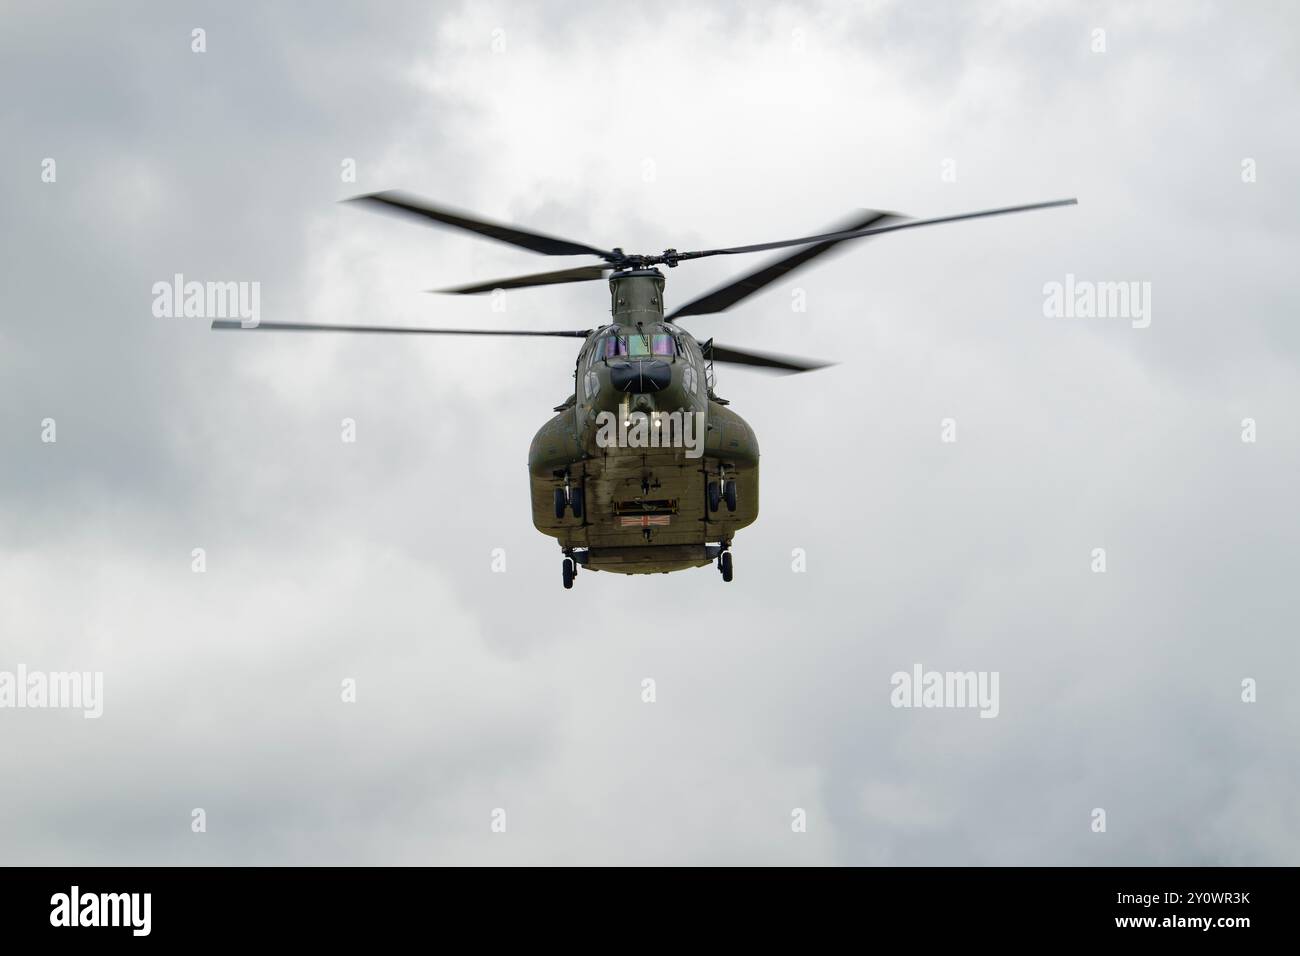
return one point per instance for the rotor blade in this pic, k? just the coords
(398, 329)
(405, 203)
(580, 274)
(871, 231)
(767, 360)
(728, 295)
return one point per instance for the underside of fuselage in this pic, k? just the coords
(648, 510)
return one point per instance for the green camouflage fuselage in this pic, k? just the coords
(642, 436)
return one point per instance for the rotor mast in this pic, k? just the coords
(637, 296)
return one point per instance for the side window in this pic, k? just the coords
(693, 351)
(697, 361)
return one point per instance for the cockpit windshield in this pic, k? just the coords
(636, 345)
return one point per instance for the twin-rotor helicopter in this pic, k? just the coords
(643, 468)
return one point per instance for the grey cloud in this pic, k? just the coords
(479, 690)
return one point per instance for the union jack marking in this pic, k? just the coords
(645, 521)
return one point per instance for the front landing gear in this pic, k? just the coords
(573, 559)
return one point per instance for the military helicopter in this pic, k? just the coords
(643, 468)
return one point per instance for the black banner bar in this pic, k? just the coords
(333, 905)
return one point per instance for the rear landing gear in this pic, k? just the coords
(570, 498)
(724, 565)
(570, 572)
(722, 489)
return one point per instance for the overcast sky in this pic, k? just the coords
(684, 125)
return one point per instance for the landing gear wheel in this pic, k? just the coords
(559, 502)
(575, 502)
(715, 495)
(725, 565)
(569, 573)
(729, 493)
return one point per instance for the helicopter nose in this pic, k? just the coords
(641, 376)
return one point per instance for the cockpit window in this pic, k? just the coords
(662, 345)
(636, 346)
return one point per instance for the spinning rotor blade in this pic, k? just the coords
(392, 329)
(580, 274)
(407, 204)
(766, 360)
(728, 295)
(870, 231)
